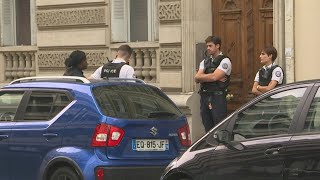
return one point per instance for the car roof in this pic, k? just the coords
(310, 81)
(68, 82)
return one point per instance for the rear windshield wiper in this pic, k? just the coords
(160, 114)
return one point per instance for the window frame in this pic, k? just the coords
(120, 23)
(11, 39)
(295, 123)
(18, 111)
(305, 110)
(28, 93)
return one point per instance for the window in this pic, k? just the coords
(133, 21)
(9, 103)
(45, 105)
(16, 22)
(135, 102)
(271, 116)
(312, 123)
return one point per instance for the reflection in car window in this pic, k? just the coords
(45, 105)
(270, 116)
(135, 102)
(312, 123)
(9, 103)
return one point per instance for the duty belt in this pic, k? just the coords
(211, 92)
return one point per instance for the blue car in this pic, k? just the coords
(70, 128)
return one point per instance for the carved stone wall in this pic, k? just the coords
(170, 11)
(50, 59)
(63, 17)
(170, 57)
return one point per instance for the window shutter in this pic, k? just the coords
(153, 20)
(8, 23)
(139, 20)
(119, 20)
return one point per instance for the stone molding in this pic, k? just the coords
(56, 59)
(67, 17)
(169, 11)
(170, 57)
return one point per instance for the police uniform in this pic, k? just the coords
(213, 102)
(268, 73)
(125, 71)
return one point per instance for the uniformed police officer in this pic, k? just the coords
(118, 67)
(214, 77)
(270, 75)
(75, 63)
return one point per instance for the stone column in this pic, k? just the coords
(284, 36)
(289, 41)
(2, 67)
(33, 22)
(188, 45)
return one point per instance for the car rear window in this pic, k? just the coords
(135, 102)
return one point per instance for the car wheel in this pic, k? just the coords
(64, 173)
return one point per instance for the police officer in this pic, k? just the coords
(270, 75)
(118, 67)
(214, 77)
(75, 63)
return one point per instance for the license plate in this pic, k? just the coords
(150, 144)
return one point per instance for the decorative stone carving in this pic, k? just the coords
(56, 59)
(170, 11)
(170, 57)
(268, 4)
(62, 17)
(230, 5)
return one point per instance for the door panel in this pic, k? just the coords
(5, 129)
(29, 144)
(260, 160)
(245, 28)
(9, 103)
(264, 128)
(303, 154)
(303, 158)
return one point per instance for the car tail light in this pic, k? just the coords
(107, 135)
(100, 174)
(184, 135)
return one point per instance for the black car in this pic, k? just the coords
(275, 136)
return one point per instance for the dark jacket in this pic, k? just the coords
(73, 71)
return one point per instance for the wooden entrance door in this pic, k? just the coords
(245, 27)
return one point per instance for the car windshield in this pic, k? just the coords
(135, 102)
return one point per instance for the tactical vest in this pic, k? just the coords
(209, 67)
(111, 69)
(265, 75)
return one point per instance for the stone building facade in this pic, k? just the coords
(38, 35)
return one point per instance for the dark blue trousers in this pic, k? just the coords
(218, 111)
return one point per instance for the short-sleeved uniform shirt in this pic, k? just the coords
(225, 65)
(277, 74)
(126, 71)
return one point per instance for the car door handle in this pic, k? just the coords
(273, 151)
(50, 135)
(294, 172)
(4, 137)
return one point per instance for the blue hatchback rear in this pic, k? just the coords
(55, 129)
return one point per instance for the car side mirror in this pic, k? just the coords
(222, 136)
(225, 137)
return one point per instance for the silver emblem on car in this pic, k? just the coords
(154, 131)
